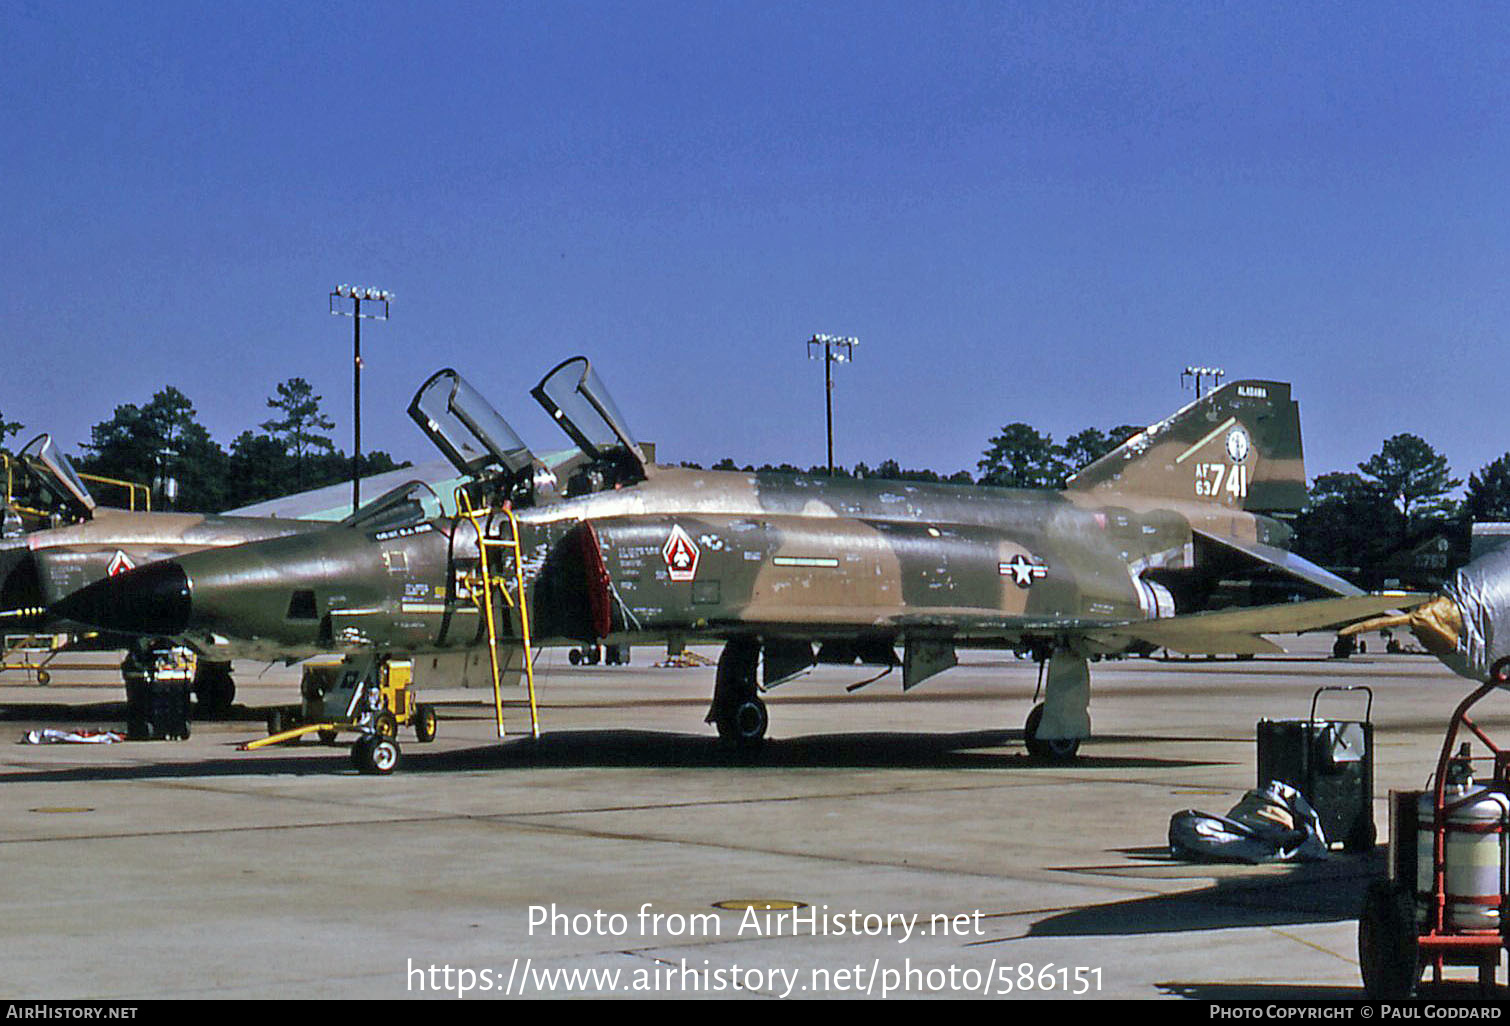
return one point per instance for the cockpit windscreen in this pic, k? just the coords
(53, 471)
(466, 428)
(574, 396)
(410, 503)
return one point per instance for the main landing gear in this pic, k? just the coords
(738, 711)
(1064, 749)
(1053, 731)
(1057, 725)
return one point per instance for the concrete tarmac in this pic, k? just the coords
(933, 856)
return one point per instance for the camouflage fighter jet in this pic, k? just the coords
(1127, 558)
(57, 539)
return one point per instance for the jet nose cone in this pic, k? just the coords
(151, 600)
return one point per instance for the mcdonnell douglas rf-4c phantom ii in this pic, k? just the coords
(612, 548)
(55, 539)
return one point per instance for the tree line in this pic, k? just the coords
(1018, 457)
(161, 444)
(1355, 521)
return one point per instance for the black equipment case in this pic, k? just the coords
(1331, 762)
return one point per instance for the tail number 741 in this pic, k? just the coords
(1219, 480)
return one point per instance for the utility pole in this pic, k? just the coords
(1214, 373)
(338, 299)
(835, 350)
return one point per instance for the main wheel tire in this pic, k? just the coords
(744, 723)
(1388, 945)
(1047, 750)
(424, 723)
(375, 755)
(386, 725)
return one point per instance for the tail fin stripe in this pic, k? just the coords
(1182, 457)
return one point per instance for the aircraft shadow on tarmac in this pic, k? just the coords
(1327, 891)
(107, 714)
(983, 749)
(1309, 892)
(990, 749)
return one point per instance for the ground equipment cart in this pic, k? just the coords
(1442, 903)
(368, 695)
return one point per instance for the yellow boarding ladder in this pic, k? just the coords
(484, 543)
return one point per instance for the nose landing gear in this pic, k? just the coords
(738, 711)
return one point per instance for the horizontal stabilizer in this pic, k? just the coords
(1286, 561)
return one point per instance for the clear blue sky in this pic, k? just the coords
(1025, 211)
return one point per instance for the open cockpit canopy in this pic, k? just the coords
(466, 428)
(576, 399)
(56, 476)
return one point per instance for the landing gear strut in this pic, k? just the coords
(737, 711)
(1057, 725)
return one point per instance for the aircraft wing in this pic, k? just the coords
(1238, 631)
(1225, 632)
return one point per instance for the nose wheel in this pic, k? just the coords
(738, 712)
(744, 724)
(375, 754)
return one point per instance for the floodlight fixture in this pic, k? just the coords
(1198, 373)
(357, 295)
(835, 349)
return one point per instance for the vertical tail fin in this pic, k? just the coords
(1237, 447)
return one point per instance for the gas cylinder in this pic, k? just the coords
(1474, 865)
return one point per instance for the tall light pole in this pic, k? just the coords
(338, 300)
(1214, 373)
(835, 350)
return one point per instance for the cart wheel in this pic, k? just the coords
(575, 657)
(1058, 750)
(374, 754)
(278, 720)
(386, 725)
(43, 677)
(1387, 942)
(424, 723)
(328, 737)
